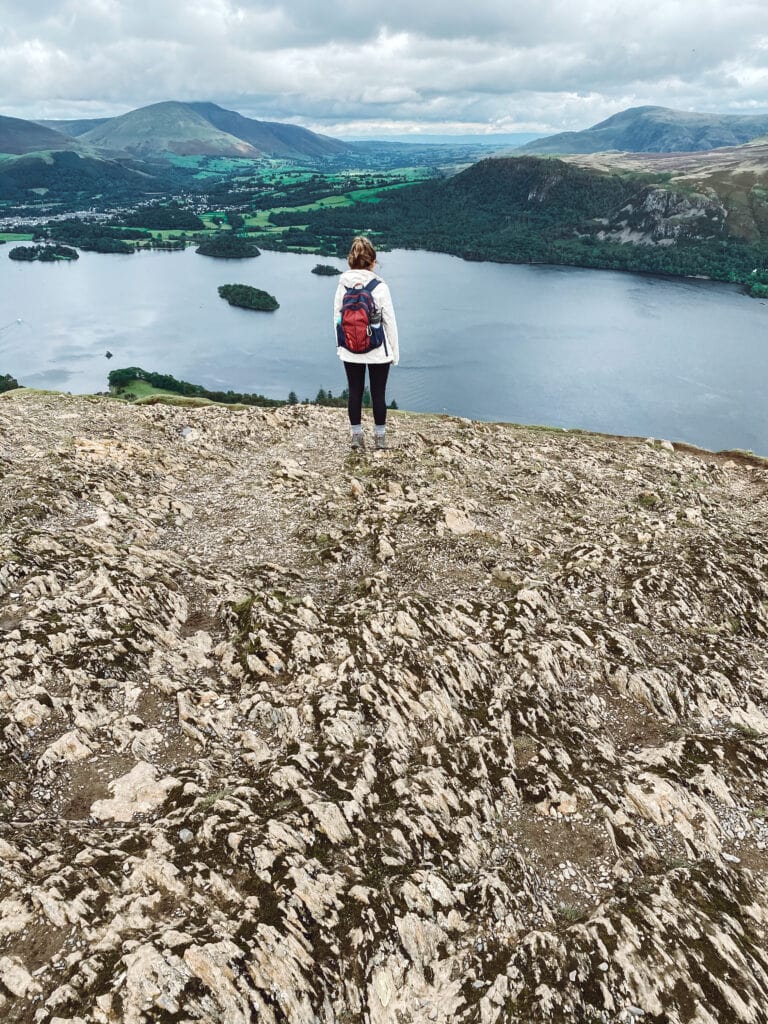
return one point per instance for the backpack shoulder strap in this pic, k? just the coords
(373, 283)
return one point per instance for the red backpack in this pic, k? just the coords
(359, 329)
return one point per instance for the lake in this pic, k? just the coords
(612, 352)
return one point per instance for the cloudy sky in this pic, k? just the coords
(400, 66)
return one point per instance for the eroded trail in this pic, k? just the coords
(472, 730)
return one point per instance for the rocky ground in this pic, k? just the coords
(471, 730)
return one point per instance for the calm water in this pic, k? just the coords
(573, 348)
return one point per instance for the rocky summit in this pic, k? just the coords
(473, 729)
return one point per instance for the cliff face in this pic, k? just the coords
(657, 216)
(724, 191)
(470, 730)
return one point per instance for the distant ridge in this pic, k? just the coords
(655, 130)
(76, 127)
(199, 129)
(18, 137)
(273, 138)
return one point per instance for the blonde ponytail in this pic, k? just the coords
(362, 255)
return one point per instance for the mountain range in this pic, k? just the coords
(655, 130)
(198, 129)
(170, 129)
(684, 193)
(173, 129)
(136, 150)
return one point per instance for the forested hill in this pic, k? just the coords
(497, 208)
(655, 130)
(35, 157)
(543, 210)
(69, 174)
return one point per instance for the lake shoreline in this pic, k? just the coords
(743, 288)
(612, 352)
(266, 247)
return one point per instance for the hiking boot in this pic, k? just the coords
(357, 444)
(380, 443)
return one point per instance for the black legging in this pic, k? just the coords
(377, 374)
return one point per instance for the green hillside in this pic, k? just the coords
(270, 137)
(166, 128)
(67, 174)
(18, 137)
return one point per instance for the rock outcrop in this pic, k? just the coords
(470, 730)
(658, 216)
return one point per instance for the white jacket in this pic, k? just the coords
(383, 301)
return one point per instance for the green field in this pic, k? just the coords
(372, 195)
(216, 166)
(141, 389)
(145, 393)
(173, 233)
(260, 219)
(260, 188)
(349, 192)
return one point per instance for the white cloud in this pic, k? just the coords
(492, 63)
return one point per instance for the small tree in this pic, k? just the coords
(293, 398)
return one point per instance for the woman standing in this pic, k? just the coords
(366, 335)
